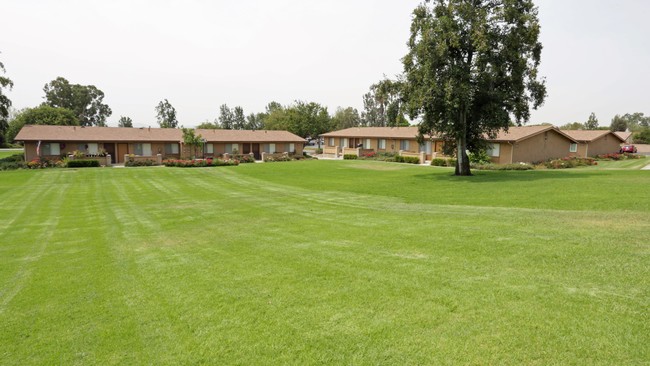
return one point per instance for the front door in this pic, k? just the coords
(256, 151)
(246, 149)
(122, 149)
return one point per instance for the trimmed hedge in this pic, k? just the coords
(83, 163)
(407, 159)
(350, 157)
(147, 162)
(443, 162)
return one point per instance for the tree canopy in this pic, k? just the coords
(125, 122)
(345, 118)
(41, 115)
(630, 121)
(471, 68)
(166, 114)
(592, 122)
(5, 102)
(86, 101)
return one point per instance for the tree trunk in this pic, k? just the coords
(462, 162)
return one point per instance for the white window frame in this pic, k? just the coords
(345, 142)
(292, 147)
(93, 148)
(330, 142)
(51, 149)
(209, 148)
(382, 144)
(171, 148)
(271, 148)
(494, 150)
(145, 149)
(404, 145)
(366, 144)
(573, 148)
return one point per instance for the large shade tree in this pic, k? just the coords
(471, 69)
(5, 102)
(166, 115)
(86, 101)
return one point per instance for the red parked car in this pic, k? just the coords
(628, 149)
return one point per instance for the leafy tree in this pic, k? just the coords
(41, 115)
(631, 121)
(226, 117)
(345, 118)
(383, 104)
(301, 118)
(592, 122)
(192, 140)
(573, 126)
(166, 115)
(125, 122)
(86, 101)
(238, 119)
(642, 136)
(5, 103)
(471, 66)
(255, 121)
(618, 124)
(208, 126)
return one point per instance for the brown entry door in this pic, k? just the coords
(246, 149)
(122, 149)
(256, 151)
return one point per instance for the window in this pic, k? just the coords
(93, 149)
(51, 149)
(330, 142)
(232, 148)
(404, 145)
(426, 147)
(209, 148)
(366, 144)
(344, 142)
(494, 150)
(269, 148)
(573, 148)
(171, 148)
(382, 144)
(143, 149)
(291, 148)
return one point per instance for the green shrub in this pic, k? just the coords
(272, 159)
(350, 157)
(438, 162)
(642, 137)
(12, 165)
(407, 159)
(319, 151)
(480, 158)
(83, 163)
(13, 158)
(243, 158)
(569, 162)
(147, 162)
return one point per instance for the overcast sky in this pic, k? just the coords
(200, 54)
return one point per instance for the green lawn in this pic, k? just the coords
(324, 262)
(6, 153)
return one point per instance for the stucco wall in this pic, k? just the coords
(541, 147)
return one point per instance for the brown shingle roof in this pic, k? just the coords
(248, 136)
(98, 134)
(378, 132)
(590, 135)
(624, 135)
(116, 134)
(524, 132)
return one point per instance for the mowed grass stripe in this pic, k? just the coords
(220, 266)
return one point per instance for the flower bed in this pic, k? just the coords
(569, 162)
(618, 156)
